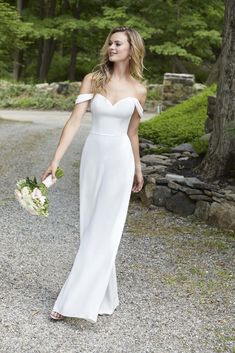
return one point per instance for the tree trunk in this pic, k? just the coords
(48, 46)
(47, 54)
(220, 159)
(178, 65)
(18, 55)
(39, 56)
(214, 74)
(40, 40)
(73, 60)
(18, 64)
(74, 48)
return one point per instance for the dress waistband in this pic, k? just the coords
(104, 134)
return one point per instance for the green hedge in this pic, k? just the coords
(179, 124)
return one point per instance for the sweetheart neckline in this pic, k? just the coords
(113, 104)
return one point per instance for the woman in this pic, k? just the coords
(110, 169)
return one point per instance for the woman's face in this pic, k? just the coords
(119, 47)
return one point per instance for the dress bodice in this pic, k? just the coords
(108, 118)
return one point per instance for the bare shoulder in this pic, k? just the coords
(141, 91)
(86, 86)
(89, 76)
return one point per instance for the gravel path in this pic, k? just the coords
(175, 276)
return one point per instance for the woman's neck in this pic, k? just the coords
(120, 72)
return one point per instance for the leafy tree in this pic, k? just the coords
(65, 36)
(13, 34)
(187, 31)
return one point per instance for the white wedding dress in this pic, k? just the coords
(106, 177)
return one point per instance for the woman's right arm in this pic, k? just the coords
(70, 128)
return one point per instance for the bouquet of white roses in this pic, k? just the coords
(32, 195)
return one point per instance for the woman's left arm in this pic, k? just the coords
(134, 138)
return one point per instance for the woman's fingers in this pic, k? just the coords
(137, 185)
(46, 173)
(44, 176)
(50, 170)
(53, 173)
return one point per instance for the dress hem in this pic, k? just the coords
(84, 317)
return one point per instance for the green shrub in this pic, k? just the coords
(28, 96)
(179, 124)
(200, 146)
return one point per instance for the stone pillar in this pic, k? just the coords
(176, 89)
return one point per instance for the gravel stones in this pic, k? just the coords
(174, 275)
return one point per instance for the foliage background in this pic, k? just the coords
(57, 40)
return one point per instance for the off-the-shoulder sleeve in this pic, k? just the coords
(83, 97)
(139, 108)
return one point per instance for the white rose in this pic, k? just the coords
(25, 191)
(18, 195)
(42, 199)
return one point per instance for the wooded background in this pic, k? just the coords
(57, 40)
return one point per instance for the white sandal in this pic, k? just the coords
(55, 317)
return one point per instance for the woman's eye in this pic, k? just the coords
(117, 44)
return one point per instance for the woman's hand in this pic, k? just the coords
(138, 182)
(50, 170)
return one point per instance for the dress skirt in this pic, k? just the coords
(105, 182)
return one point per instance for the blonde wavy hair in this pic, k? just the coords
(101, 73)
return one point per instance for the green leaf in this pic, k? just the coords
(171, 49)
(59, 173)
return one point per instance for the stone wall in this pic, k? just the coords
(177, 88)
(213, 203)
(60, 87)
(154, 101)
(190, 195)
